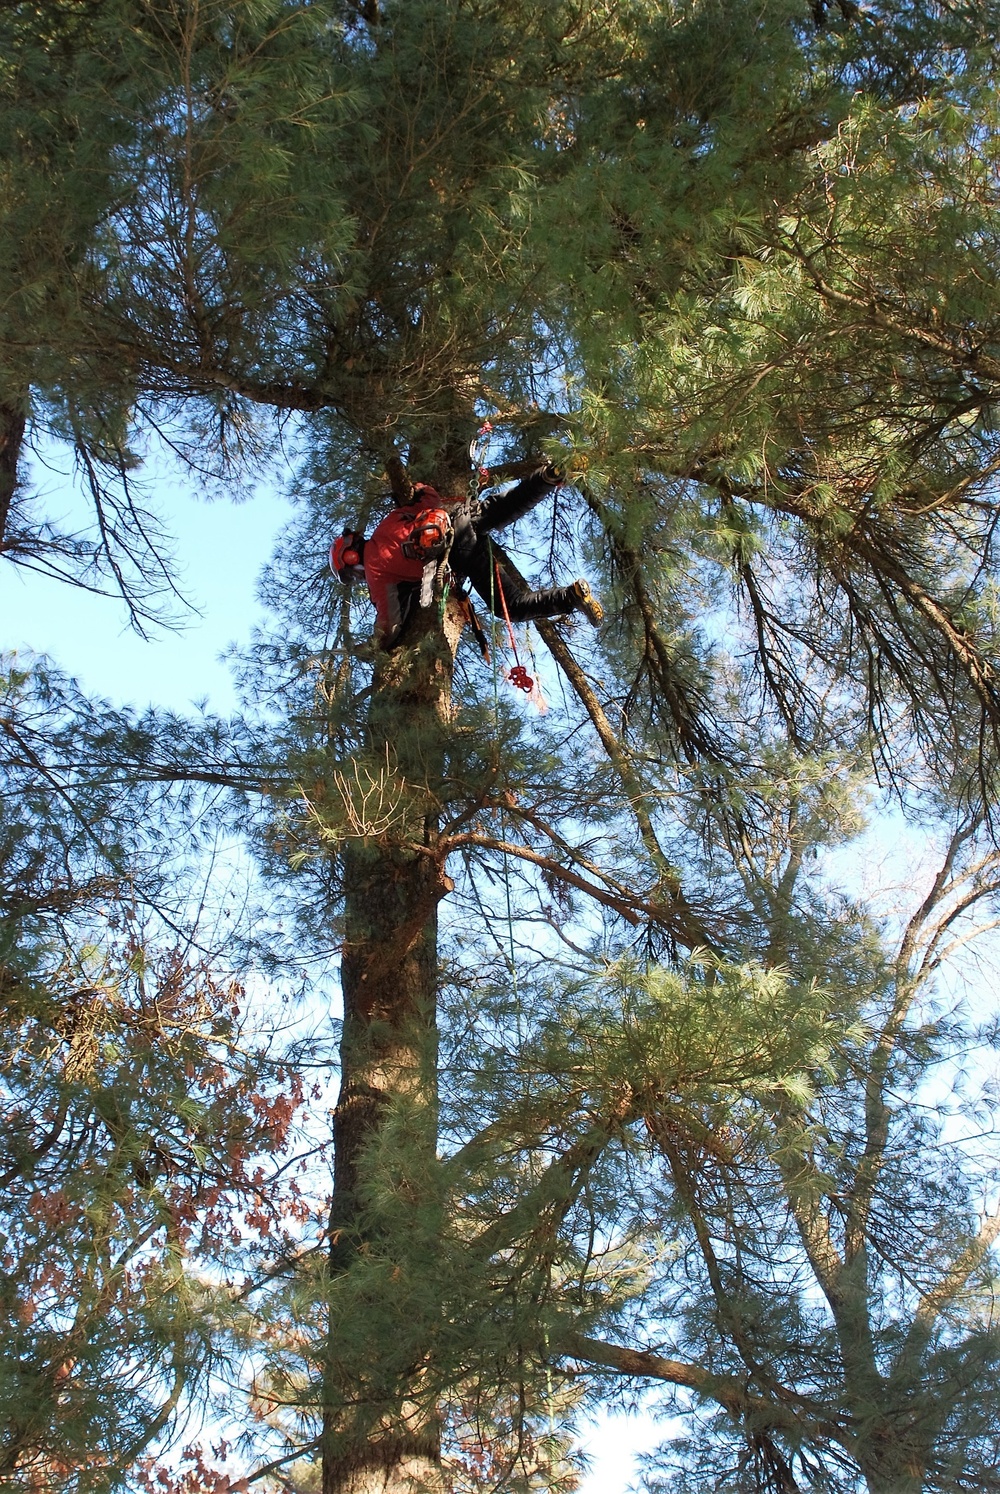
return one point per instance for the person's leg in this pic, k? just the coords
(523, 603)
(553, 601)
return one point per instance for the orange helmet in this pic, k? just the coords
(347, 555)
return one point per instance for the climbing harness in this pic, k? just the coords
(434, 530)
(468, 509)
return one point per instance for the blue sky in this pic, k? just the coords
(221, 548)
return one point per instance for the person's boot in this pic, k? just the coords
(587, 603)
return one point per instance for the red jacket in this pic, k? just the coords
(387, 565)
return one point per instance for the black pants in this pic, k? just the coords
(476, 556)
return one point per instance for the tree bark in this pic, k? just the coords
(380, 1431)
(888, 1467)
(13, 418)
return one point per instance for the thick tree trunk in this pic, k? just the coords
(380, 1425)
(893, 1474)
(892, 1453)
(12, 423)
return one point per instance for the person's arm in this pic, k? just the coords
(392, 601)
(507, 508)
(386, 604)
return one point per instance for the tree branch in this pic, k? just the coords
(632, 910)
(792, 1414)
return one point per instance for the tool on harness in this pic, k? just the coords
(434, 532)
(430, 533)
(478, 631)
(430, 541)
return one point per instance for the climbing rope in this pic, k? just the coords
(439, 580)
(511, 962)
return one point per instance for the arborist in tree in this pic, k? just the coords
(411, 546)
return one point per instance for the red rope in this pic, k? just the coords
(517, 675)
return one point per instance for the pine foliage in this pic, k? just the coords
(638, 1087)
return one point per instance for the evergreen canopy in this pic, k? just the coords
(629, 1089)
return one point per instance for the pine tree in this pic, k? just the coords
(672, 248)
(146, 1132)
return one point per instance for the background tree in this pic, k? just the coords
(149, 1137)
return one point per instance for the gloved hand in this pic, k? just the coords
(566, 468)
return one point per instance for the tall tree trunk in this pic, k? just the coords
(893, 1446)
(380, 1425)
(892, 1472)
(12, 422)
